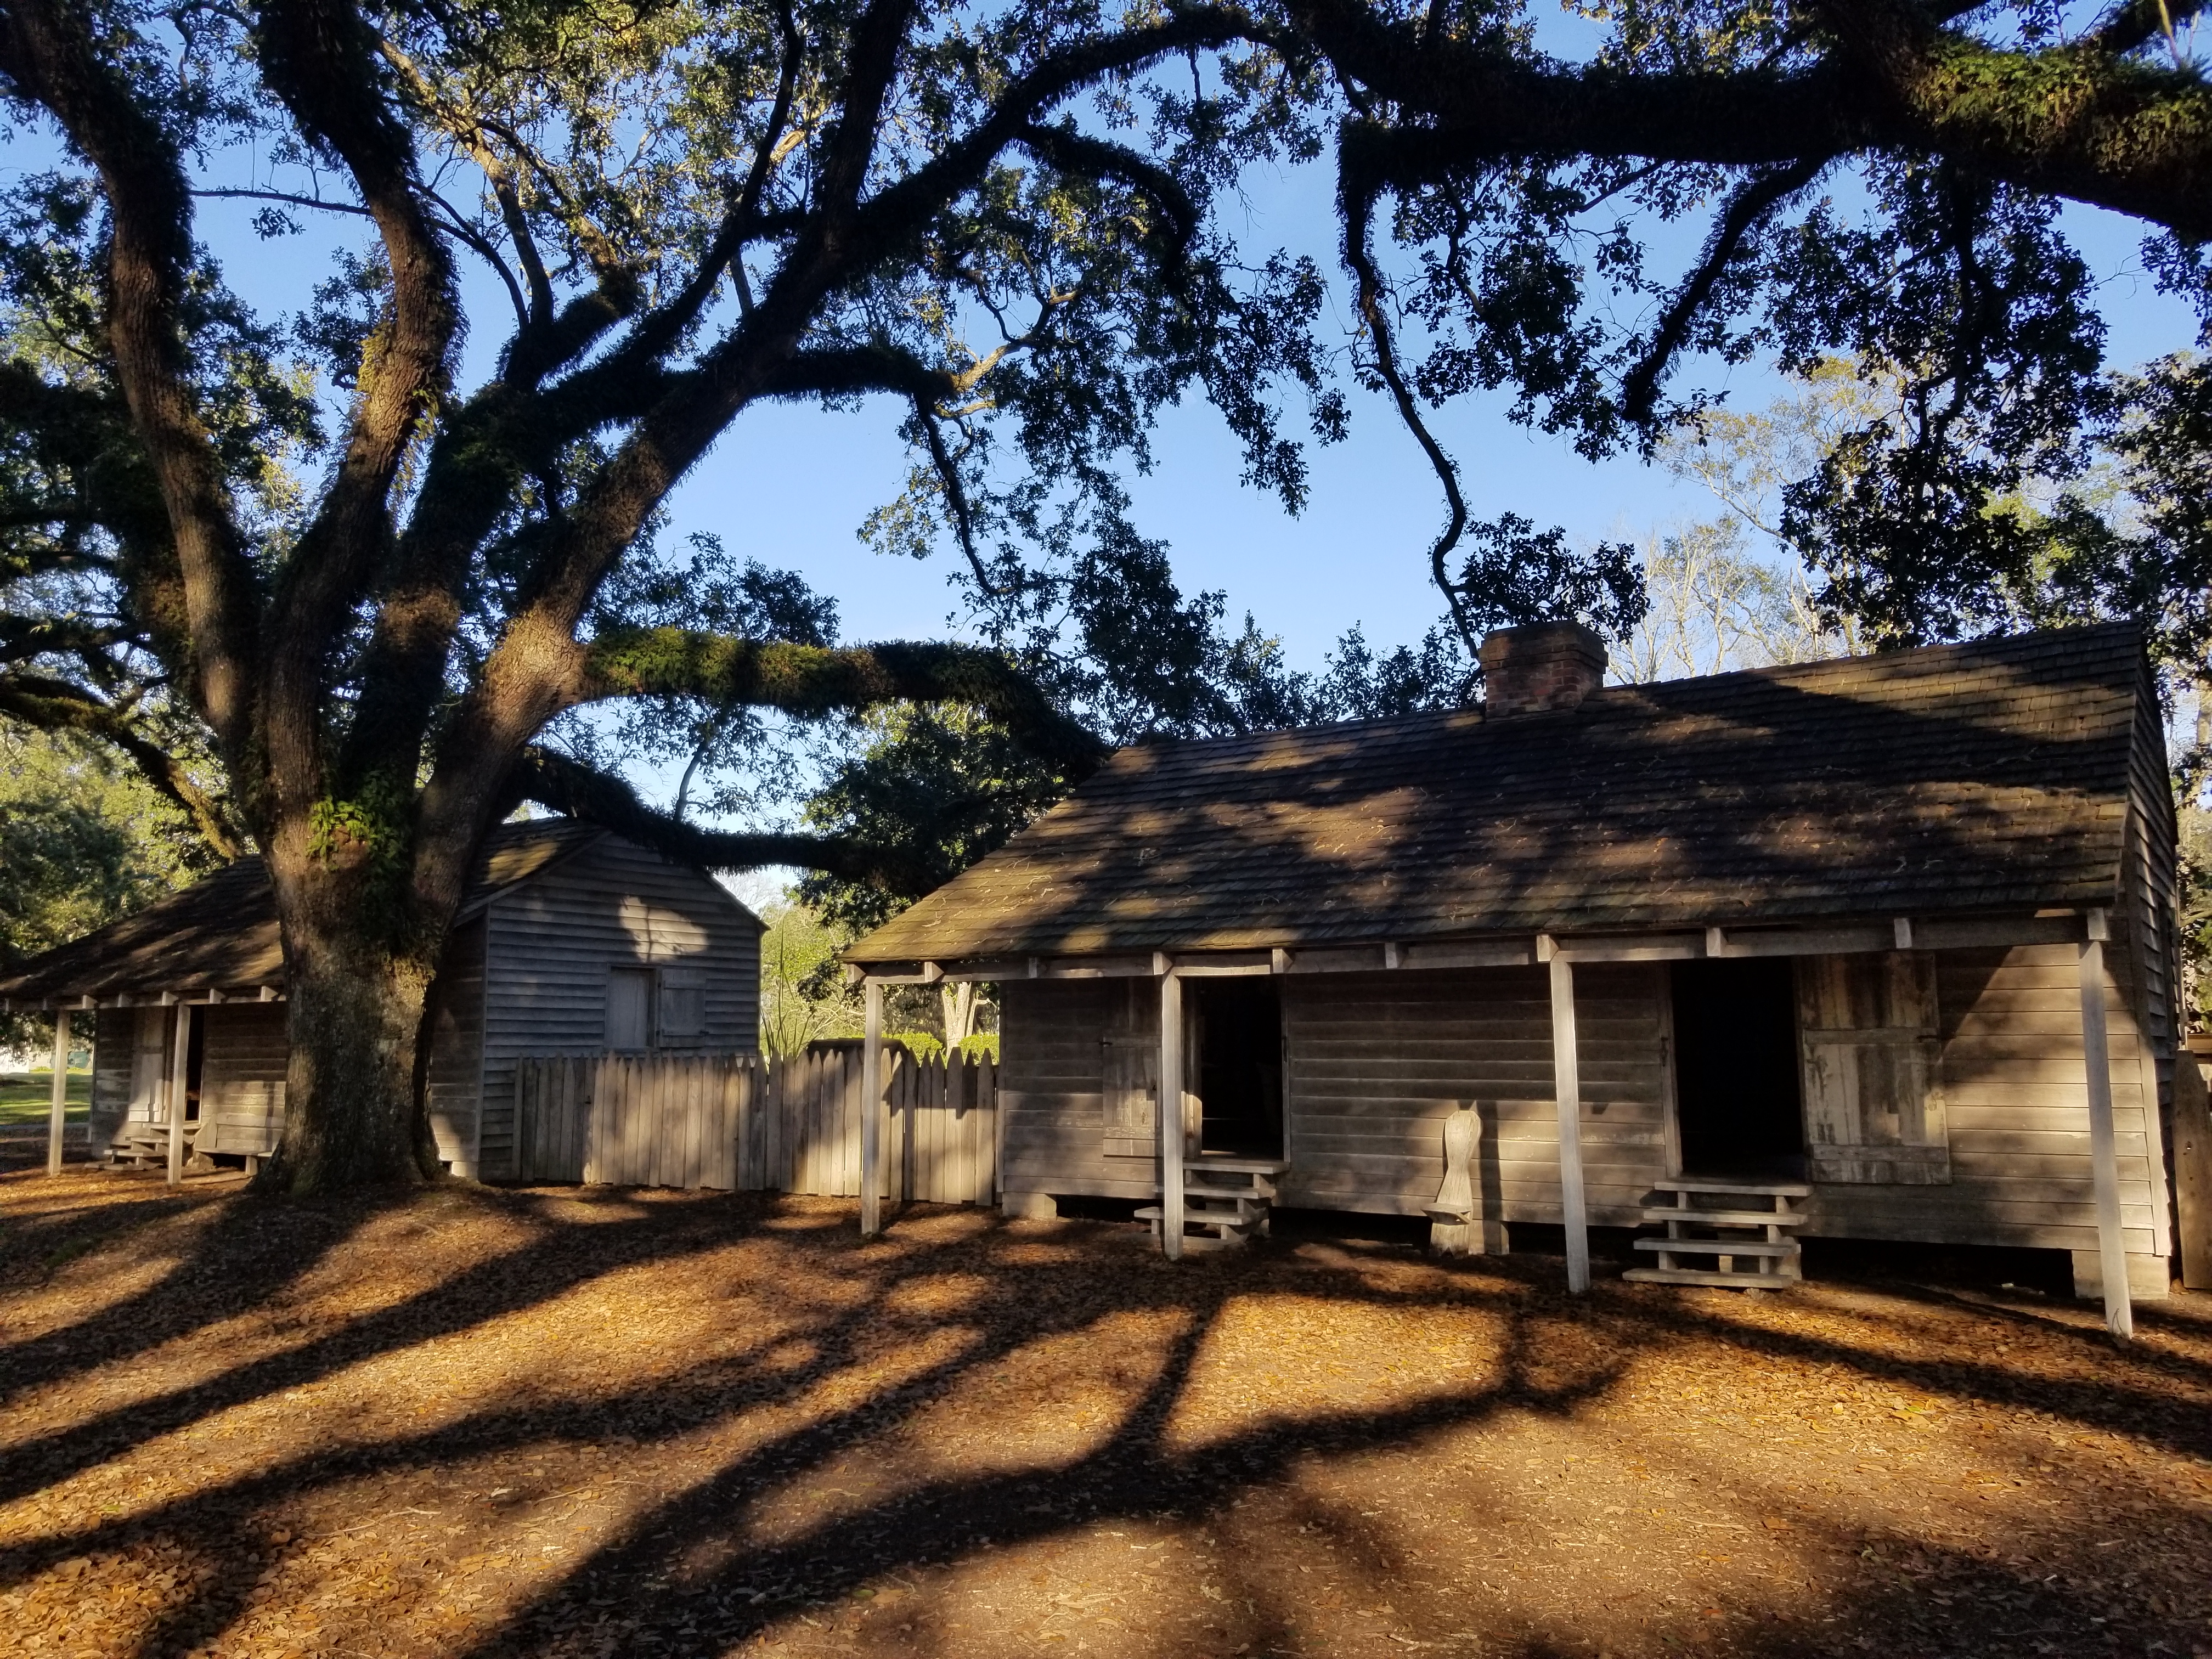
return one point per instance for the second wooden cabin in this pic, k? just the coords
(571, 941)
(1880, 948)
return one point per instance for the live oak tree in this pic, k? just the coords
(691, 209)
(1007, 221)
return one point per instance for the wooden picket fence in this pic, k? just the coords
(742, 1122)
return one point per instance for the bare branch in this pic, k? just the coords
(1748, 208)
(1357, 218)
(52, 705)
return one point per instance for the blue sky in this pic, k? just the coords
(790, 485)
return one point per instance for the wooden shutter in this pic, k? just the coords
(1874, 1102)
(682, 1005)
(1132, 1093)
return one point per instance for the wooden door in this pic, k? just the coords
(1873, 1100)
(149, 1065)
(1132, 1087)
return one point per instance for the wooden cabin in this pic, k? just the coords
(1880, 948)
(571, 941)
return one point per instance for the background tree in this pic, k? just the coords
(82, 840)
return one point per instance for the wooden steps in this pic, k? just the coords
(1730, 1227)
(1220, 1212)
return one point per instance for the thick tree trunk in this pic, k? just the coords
(353, 1111)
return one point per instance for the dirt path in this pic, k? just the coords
(563, 1422)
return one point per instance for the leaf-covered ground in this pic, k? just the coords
(565, 1422)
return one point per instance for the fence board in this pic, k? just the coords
(740, 1122)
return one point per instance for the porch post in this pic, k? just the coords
(61, 1093)
(1567, 1090)
(2103, 1155)
(180, 1066)
(1170, 1115)
(872, 1110)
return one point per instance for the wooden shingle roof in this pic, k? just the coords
(1979, 777)
(221, 934)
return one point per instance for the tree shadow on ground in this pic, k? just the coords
(786, 1431)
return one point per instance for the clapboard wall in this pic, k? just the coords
(550, 942)
(1051, 1081)
(1373, 1062)
(114, 1039)
(244, 1054)
(2017, 1103)
(1378, 1061)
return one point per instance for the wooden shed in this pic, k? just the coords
(572, 941)
(1879, 948)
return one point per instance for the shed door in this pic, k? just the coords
(1873, 1103)
(1132, 1093)
(149, 1065)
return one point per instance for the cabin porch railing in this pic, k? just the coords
(744, 1122)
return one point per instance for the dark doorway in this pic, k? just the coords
(1240, 1065)
(1735, 1069)
(195, 1060)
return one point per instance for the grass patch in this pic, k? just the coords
(27, 1097)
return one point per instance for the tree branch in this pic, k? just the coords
(320, 58)
(1072, 152)
(1358, 212)
(1749, 207)
(45, 51)
(52, 705)
(538, 662)
(810, 681)
(2071, 120)
(569, 788)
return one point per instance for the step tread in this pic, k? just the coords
(1261, 1166)
(1202, 1218)
(1726, 1281)
(1722, 1184)
(1719, 1246)
(1725, 1218)
(1196, 1190)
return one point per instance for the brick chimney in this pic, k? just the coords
(1538, 666)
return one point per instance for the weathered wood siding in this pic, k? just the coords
(552, 942)
(114, 1034)
(2018, 1107)
(1378, 1061)
(243, 1057)
(1052, 1084)
(453, 1078)
(2144, 939)
(1374, 1063)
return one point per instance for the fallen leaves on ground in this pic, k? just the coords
(589, 1422)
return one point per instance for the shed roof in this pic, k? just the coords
(1977, 777)
(221, 934)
